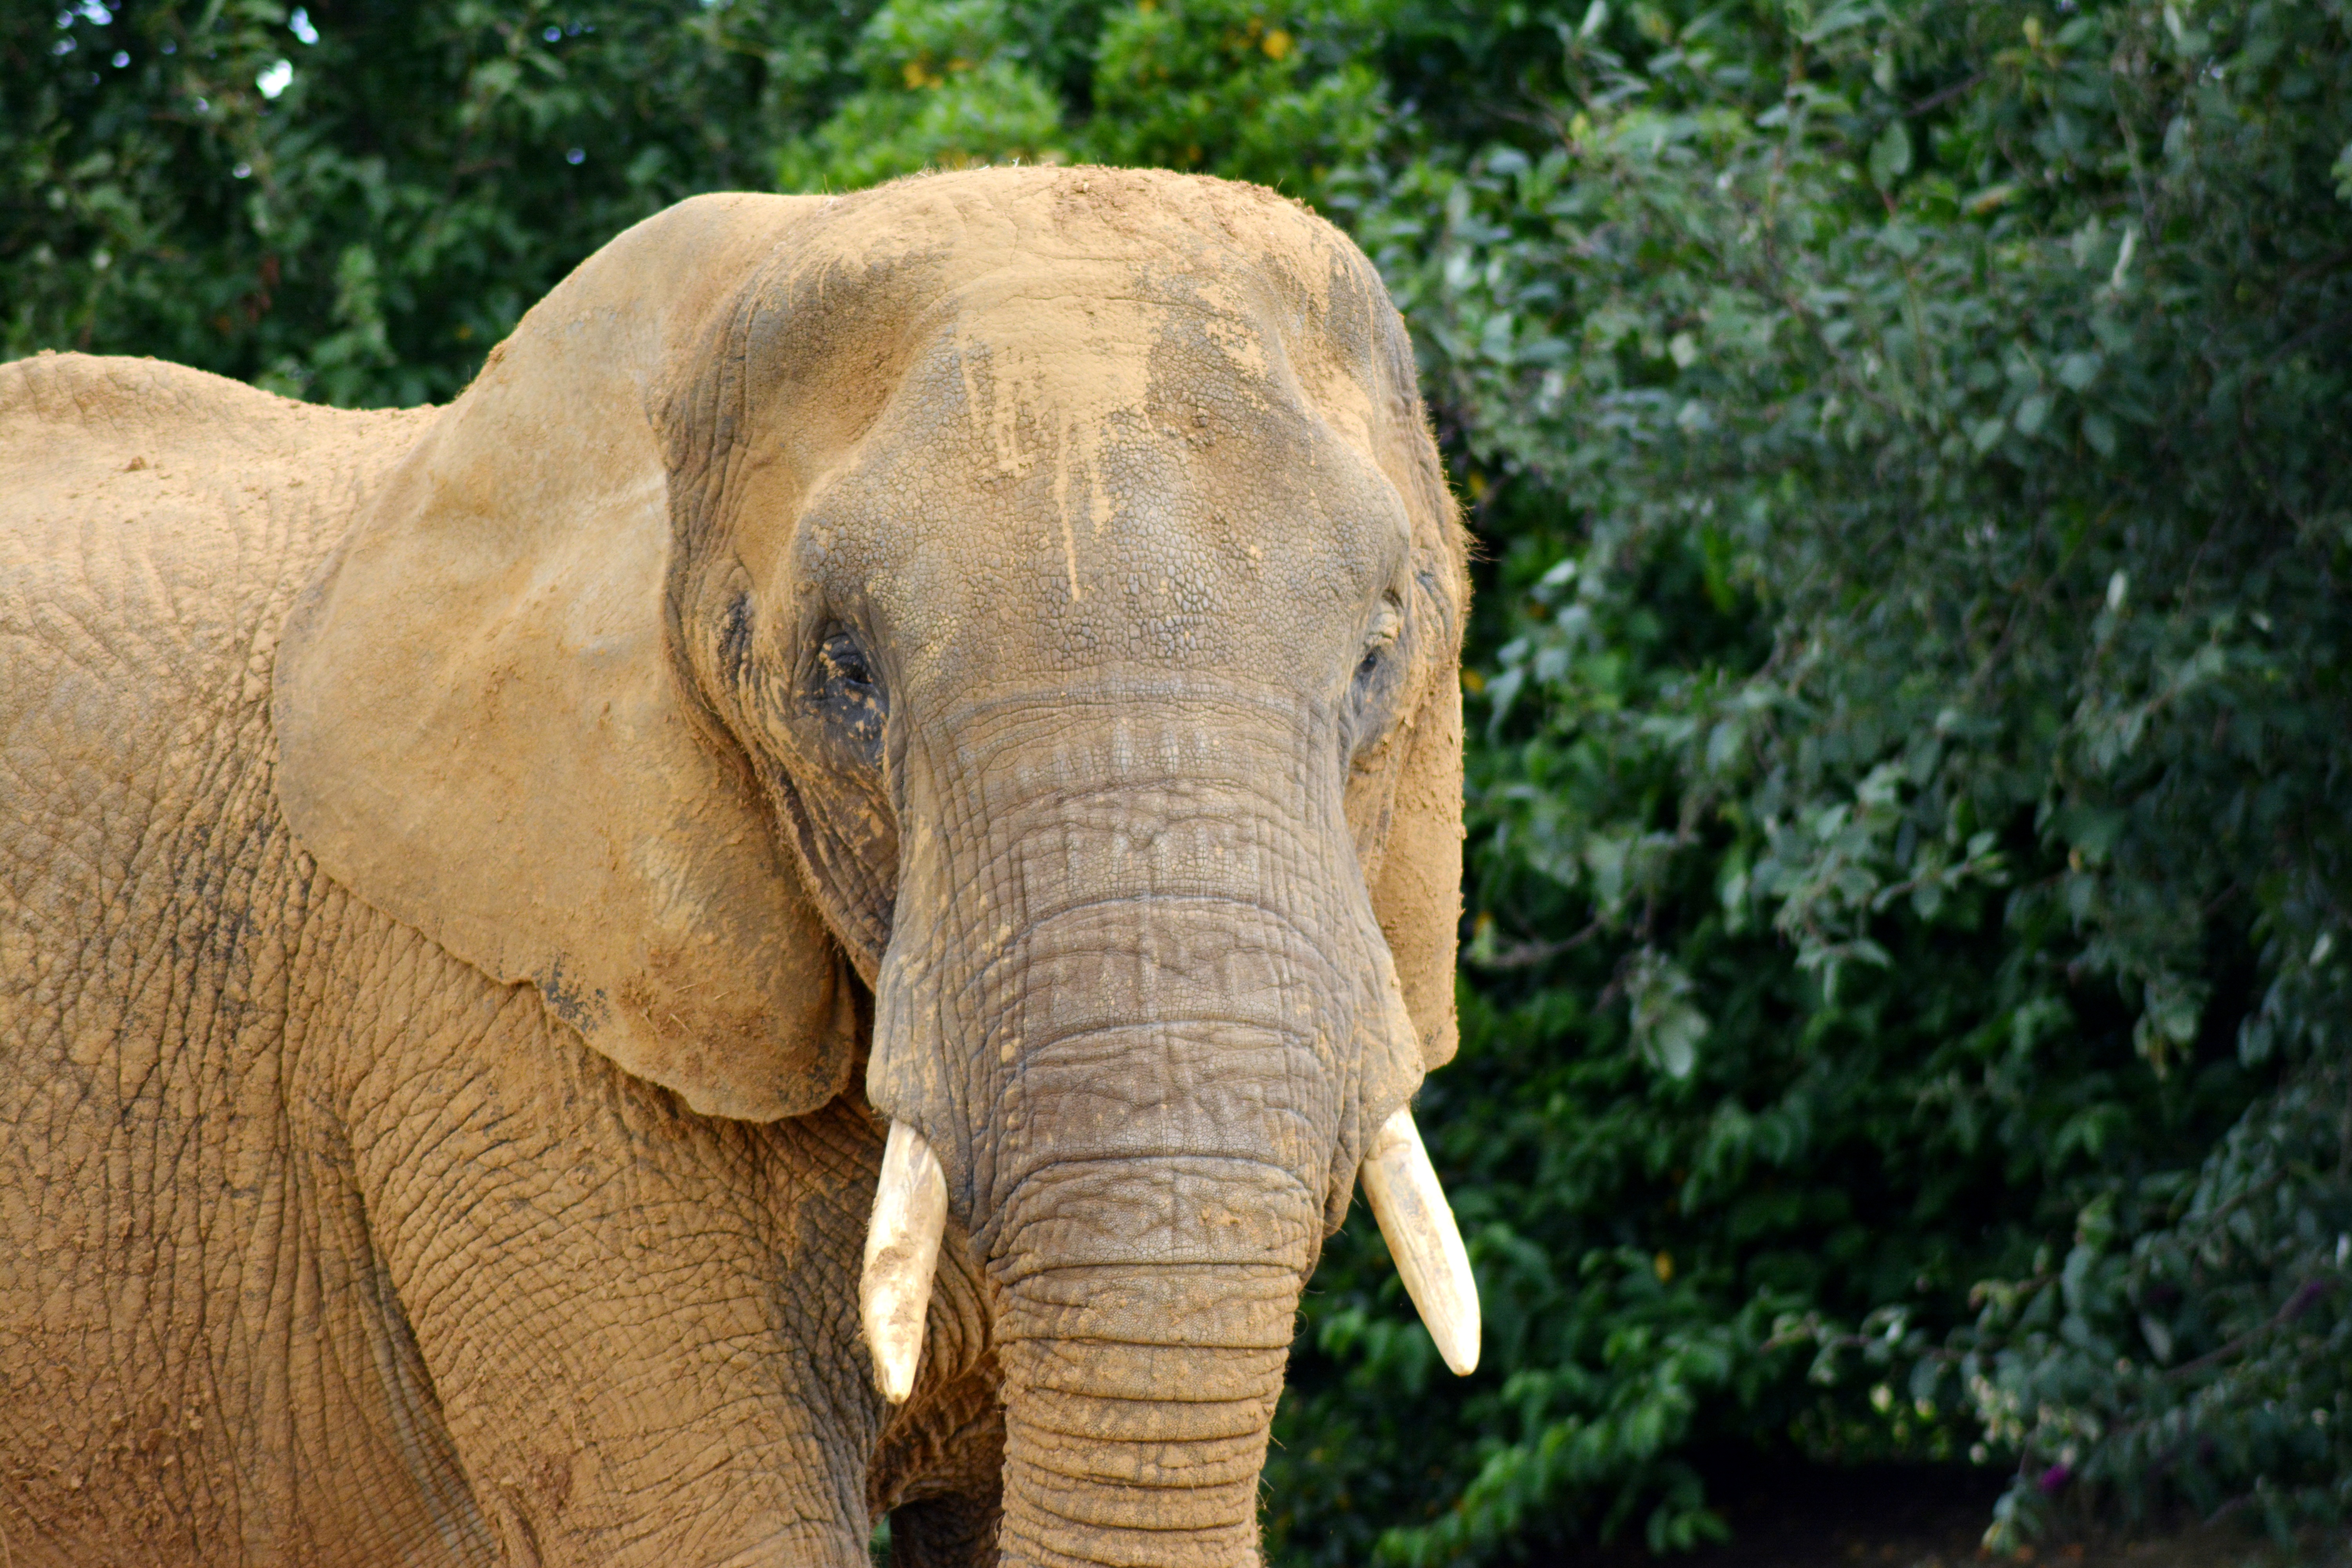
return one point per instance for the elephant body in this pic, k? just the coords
(476, 884)
(274, 1159)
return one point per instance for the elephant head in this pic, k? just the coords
(1028, 599)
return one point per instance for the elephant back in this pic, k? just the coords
(155, 522)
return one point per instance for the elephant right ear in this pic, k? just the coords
(483, 731)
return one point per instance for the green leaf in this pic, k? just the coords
(1890, 155)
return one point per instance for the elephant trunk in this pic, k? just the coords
(1136, 1406)
(1159, 1192)
(1138, 1025)
(1164, 1200)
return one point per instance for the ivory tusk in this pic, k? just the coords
(902, 1249)
(1423, 1239)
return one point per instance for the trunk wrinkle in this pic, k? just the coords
(1151, 1465)
(1131, 965)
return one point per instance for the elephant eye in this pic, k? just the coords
(848, 691)
(840, 665)
(1371, 690)
(1381, 639)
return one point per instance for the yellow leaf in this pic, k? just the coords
(1276, 44)
(1664, 1265)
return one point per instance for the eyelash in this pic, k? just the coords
(1367, 687)
(847, 688)
(840, 658)
(1385, 632)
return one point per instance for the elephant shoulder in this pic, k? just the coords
(155, 521)
(155, 524)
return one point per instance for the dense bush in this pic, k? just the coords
(351, 203)
(1914, 779)
(1906, 986)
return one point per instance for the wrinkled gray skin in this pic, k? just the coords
(1049, 567)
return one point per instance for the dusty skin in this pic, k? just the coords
(477, 884)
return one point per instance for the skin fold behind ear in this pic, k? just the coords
(483, 733)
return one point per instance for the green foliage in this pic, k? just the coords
(1190, 84)
(1982, 368)
(2195, 1335)
(947, 86)
(1903, 998)
(1222, 86)
(420, 175)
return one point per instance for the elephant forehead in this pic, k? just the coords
(1029, 318)
(1172, 530)
(1073, 333)
(952, 227)
(1129, 467)
(1049, 364)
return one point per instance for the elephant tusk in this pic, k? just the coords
(1423, 1239)
(902, 1249)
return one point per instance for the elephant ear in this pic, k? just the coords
(1417, 896)
(1406, 800)
(483, 731)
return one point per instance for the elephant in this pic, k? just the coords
(803, 907)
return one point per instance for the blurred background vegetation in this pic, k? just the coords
(1906, 976)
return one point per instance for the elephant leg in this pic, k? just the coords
(632, 1314)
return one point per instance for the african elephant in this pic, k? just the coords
(952, 686)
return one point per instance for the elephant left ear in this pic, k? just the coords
(482, 730)
(1417, 895)
(1405, 801)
